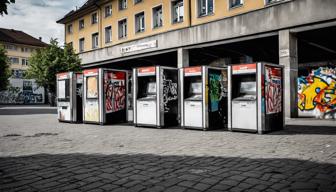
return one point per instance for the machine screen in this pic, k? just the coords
(248, 88)
(196, 88)
(63, 89)
(151, 88)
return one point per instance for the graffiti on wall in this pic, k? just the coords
(273, 94)
(22, 91)
(115, 91)
(169, 91)
(317, 92)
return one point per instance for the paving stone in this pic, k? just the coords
(170, 182)
(137, 188)
(303, 185)
(155, 189)
(91, 186)
(176, 189)
(221, 187)
(237, 189)
(187, 184)
(238, 178)
(201, 186)
(229, 182)
(190, 177)
(211, 181)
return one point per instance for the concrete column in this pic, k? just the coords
(182, 58)
(288, 57)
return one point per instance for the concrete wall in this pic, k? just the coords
(273, 18)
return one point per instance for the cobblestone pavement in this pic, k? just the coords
(39, 154)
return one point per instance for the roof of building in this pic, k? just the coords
(19, 37)
(88, 5)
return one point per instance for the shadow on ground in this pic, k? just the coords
(306, 130)
(141, 172)
(28, 111)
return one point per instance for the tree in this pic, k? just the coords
(3, 6)
(46, 62)
(4, 69)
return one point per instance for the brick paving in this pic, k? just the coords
(144, 172)
(39, 154)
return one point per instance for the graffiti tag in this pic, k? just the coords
(169, 92)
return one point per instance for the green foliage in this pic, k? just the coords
(46, 62)
(3, 6)
(4, 69)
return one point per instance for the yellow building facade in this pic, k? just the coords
(19, 47)
(190, 12)
(19, 56)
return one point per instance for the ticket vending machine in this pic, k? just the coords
(105, 96)
(69, 97)
(155, 96)
(256, 97)
(204, 91)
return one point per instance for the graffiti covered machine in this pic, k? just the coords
(256, 97)
(105, 96)
(69, 97)
(203, 97)
(155, 96)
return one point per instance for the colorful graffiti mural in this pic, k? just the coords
(317, 93)
(217, 89)
(22, 91)
(115, 91)
(214, 90)
(273, 94)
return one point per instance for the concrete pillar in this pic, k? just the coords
(182, 58)
(288, 57)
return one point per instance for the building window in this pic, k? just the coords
(137, 1)
(108, 10)
(14, 60)
(95, 41)
(11, 47)
(24, 61)
(122, 4)
(25, 49)
(177, 11)
(122, 24)
(205, 7)
(272, 1)
(140, 22)
(157, 16)
(70, 29)
(94, 18)
(235, 3)
(81, 24)
(108, 34)
(18, 73)
(81, 44)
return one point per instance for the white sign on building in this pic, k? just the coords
(138, 47)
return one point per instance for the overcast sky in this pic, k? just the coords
(38, 17)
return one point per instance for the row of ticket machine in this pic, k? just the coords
(245, 97)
